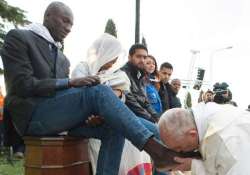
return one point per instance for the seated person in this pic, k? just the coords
(102, 56)
(152, 83)
(136, 99)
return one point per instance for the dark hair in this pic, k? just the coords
(166, 65)
(209, 91)
(55, 8)
(136, 46)
(155, 73)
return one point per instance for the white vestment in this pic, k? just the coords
(224, 134)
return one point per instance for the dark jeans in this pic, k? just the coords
(70, 108)
(1, 134)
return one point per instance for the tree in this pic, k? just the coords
(111, 28)
(143, 41)
(10, 14)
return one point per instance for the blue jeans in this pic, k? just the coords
(69, 109)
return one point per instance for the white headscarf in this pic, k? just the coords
(105, 49)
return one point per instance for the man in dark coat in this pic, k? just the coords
(166, 70)
(175, 101)
(137, 99)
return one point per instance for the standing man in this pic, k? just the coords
(208, 96)
(166, 70)
(175, 86)
(42, 100)
(220, 132)
(137, 99)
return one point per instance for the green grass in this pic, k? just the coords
(11, 167)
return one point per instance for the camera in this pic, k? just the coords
(222, 93)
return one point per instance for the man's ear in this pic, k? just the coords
(193, 132)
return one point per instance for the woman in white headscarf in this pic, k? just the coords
(103, 60)
(100, 57)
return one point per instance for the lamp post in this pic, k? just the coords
(191, 65)
(211, 61)
(137, 21)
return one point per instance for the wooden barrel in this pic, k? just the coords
(56, 156)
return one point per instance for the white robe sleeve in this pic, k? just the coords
(197, 167)
(238, 163)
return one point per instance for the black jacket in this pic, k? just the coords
(137, 100)
(169, 99)
(30, 74)
(164, 93)
(175, 101)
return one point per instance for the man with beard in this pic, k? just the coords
(208, 96)
(175, 86)
(166, 70)
(136, 99)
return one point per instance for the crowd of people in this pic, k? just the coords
(220, 94)
(131, 113)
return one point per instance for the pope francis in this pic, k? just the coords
(220, 132)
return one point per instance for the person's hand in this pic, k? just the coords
(94, 121)
(117, 92)
(85, 81)
(184, 164)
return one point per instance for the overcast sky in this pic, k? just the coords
(172, 29)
